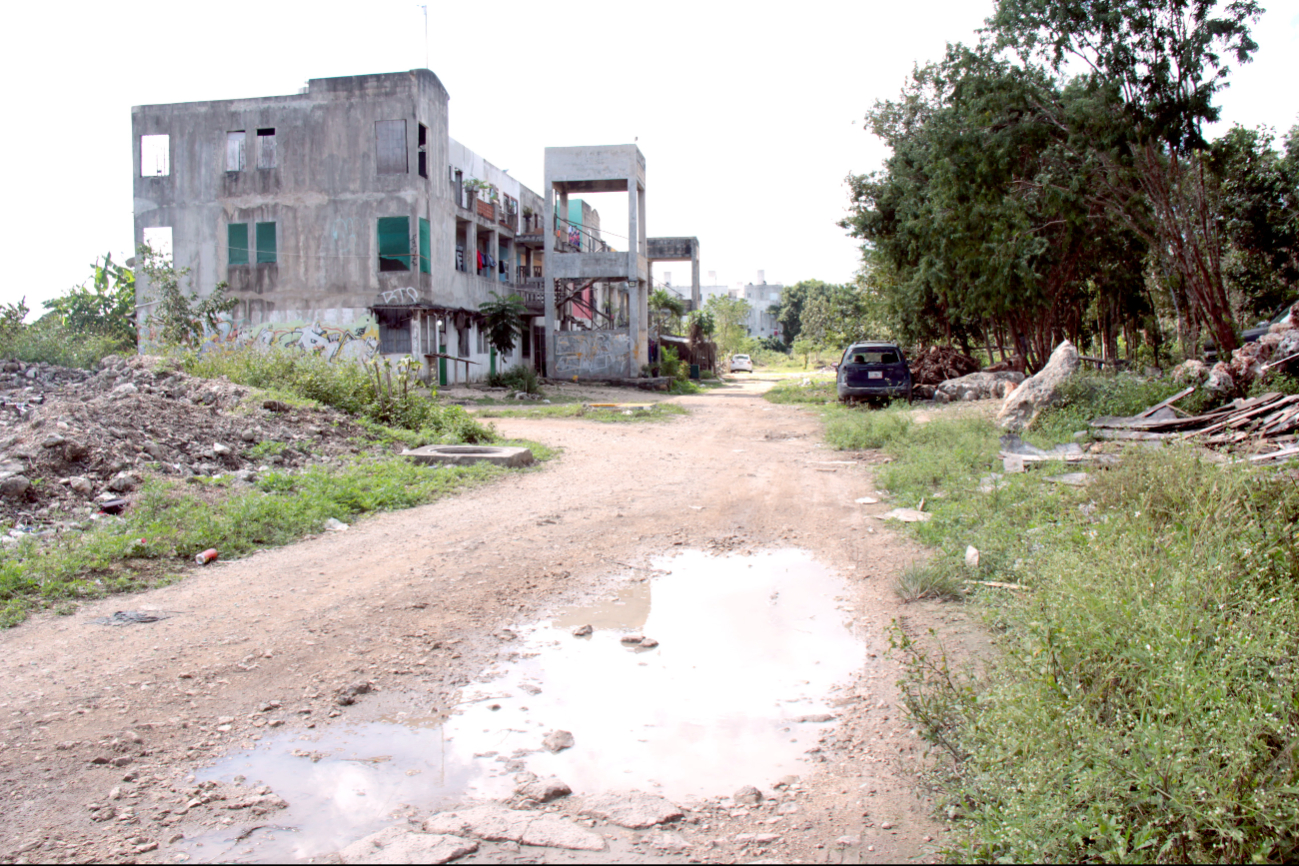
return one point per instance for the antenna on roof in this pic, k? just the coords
(425, 8)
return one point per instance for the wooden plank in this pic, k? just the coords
(1173, 399)
(1283, 454)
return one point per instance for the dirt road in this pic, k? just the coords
(112, 734)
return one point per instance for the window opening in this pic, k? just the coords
(237, 240)
(458, 185)
(425, 246)
(390, 146)
(394, 331)
(235, 150)
(462, 334)
(266, 248)
(158, 239)
(423, 150)
(266, 148)
(394, 243)
(482, 339)
(155, 155)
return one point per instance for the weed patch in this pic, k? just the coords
(815, 391)
(170, 522)
(1144, 705)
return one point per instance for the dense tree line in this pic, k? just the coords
(1054, 181)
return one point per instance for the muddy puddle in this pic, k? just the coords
(748, 648)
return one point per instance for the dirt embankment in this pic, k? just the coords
(107, 730)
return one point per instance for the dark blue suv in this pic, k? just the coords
(873, 371)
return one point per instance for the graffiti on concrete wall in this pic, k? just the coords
(357, 340)
(592, 354)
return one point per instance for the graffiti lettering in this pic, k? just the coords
(403, 295)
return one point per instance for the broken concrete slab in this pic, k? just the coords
(402, 845)
(906, 515)
(634, 810)
(495, 823)
(1034, 394)
(543, 790)
(509, 456)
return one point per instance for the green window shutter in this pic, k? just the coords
(266, 244)
(237, 241)
(394, 243)
(425, 247)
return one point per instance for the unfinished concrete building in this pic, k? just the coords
(344, 218)
(607, 348)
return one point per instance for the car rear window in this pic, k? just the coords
(873, 356)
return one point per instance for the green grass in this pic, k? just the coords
(1143, 704)
(170, 522)
(819, 391)
(655, 412)
(1085, 396)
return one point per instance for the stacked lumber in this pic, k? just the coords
(1267, 421)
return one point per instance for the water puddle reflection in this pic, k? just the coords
(748, 645)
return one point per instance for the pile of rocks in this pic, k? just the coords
(1276, 349)
(70, 439)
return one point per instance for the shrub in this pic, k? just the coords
(518, 378)
(48, 342)
(1085, 396)
(377, 391)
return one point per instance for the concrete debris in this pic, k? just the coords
(543, 790)
(971, 556)
(401, 845)
(557, 741)
(747, 796)
(74, 434)
(333, 524)
(631, 809)
(1040, 390)
(582, 631)
(465, 455)
(906, 515)
(979, 386)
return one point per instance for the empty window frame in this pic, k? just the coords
(390, 146)
(394, 243)
(423, 150)
(266, 147)
(236, 150)
(458, 185)
(483, 346)
(394, 331)
(267, 249)
(155, 155)
(158, 239)
(425, 246)
(237, 241)
(462, 341)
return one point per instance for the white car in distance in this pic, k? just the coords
(741, 362)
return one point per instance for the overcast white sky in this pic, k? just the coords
(749, 116)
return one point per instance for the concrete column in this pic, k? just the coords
(634, 320)
(547, 284)
(694, 274)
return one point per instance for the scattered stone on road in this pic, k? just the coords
(543, 790)
(634, 810)
(747, 796)
(582, 631)
(557, 741)
(401, 845)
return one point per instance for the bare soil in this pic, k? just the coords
(105, 727)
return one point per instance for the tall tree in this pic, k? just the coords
(1167, 59)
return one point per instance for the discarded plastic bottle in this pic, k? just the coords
(206, 556)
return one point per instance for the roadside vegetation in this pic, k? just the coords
(171, 521)
(1143, 702)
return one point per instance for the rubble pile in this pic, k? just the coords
(71, 439)
(936, 364)
(1276, 349)
(1267, 423)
